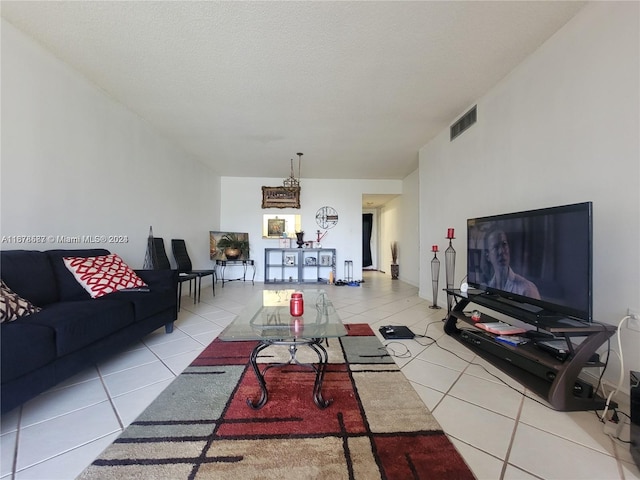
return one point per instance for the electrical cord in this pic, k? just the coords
(626, 415)
(492, 374)
(600, 385)
(407, 354)
(615, 418)
(388, 347)
(609, 351)
(621, 378)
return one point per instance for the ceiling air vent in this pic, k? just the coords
(464, 122)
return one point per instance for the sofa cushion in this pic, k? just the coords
(146, 304)
(68, 286)
(30, 274)
(25, 347)
(13, 306)
(79, 323)
(103, 275)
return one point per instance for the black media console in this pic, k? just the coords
(553, 377)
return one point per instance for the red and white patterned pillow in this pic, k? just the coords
(102, 275)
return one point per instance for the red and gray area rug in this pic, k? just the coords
(201, 427)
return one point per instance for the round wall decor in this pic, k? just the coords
(326, 217)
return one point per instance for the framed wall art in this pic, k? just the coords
(280, 197)
(222, 244)
(275, 227)
(325, 260)
(281, 225)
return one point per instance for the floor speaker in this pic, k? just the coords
(634, 393)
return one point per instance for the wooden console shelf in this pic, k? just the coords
(552, 378)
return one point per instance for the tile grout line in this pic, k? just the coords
(505, 464)
(110, 399)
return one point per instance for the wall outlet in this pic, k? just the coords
(633, 323)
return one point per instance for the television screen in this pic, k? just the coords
(539, 257)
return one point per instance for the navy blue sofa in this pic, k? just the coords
(73, 330)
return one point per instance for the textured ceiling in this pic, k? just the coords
(358, 87)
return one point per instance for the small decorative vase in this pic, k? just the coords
(232, 253)
(300, 240)
(395, 271)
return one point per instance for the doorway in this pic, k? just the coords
(374, 206)
(367, 230)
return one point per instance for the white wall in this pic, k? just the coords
(241, 211)
(409, 228)
(562, 128)
(74, 162)
(398, 221)
(390, 231)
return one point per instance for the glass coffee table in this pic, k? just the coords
(266, 319)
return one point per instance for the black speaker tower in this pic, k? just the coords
(634, 394)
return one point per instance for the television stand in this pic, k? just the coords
(550, 377)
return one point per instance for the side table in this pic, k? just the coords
(221, 266)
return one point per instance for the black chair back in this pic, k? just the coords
(181, 256)
(159, 258)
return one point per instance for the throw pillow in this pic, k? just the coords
(102, 275)
(13, 306)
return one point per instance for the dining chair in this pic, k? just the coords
(183, 261)
(160, 261)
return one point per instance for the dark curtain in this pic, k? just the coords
(367, 225)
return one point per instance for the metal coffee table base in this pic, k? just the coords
(320, 370)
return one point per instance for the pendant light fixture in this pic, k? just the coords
(293, 183)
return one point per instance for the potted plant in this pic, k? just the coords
(233, 246)
(395, 268)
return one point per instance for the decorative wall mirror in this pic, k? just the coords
(275, 226)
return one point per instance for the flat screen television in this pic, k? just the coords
(541, 258)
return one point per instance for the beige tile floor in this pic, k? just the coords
(502, 431)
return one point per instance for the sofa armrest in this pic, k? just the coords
(159, 278)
